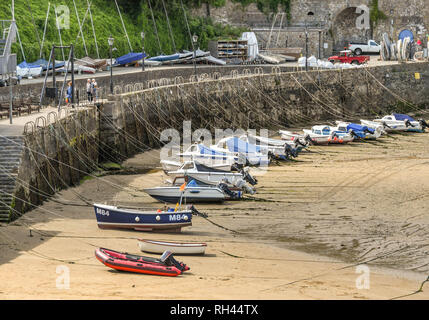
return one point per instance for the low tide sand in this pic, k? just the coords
(316, 220)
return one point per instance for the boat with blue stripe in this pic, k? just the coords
(111, 217)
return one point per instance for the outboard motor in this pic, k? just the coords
(248, 177)
(237, 167)
(224, 187)
(241, 184)
(409, 124)
(308, 139)
(385, 125)
(290, 152)
(424, 124)
(168, 259)
(298, 142)
(353, 134)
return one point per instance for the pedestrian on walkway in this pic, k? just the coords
(89, 90)
(94, 88)
(69, 94)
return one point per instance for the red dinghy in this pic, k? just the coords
(164, 266)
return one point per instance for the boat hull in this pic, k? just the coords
(135, 264)
(160, 247)
(190, 194)
(109, 217)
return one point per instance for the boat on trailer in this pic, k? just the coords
(166, 265)
(111, 217)
(184, 248)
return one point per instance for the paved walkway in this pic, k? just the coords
(18, 123)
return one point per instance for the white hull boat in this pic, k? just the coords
(361, 131)
(206, 175)
(402, 122)
(151, 246)
(168, 165)
(173, 194)
(333, 135)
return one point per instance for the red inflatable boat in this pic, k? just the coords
(164, 266)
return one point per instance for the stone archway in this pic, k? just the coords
(344, 29)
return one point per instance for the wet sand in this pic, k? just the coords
(315, 220)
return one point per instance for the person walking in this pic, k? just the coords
(94, 88)
(69, 94)
(89, 90)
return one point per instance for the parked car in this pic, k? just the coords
(359, 47)
(347, 56)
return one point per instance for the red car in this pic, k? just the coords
(347, 56)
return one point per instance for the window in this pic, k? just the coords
(374, 44)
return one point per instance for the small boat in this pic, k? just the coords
(194, 192)
(166, 265)
(110, 217)
(402, 122)
(129, 58)
(168, 165)
(253, 154)
(211, 176)
(280, 149)
(362, 132)
(374, 125)
(331, 134)
(152, 246)
(28, 70)
(210, 157)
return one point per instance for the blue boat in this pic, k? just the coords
(129, 58)
(163, 58)
(110, 217)
(254, 154)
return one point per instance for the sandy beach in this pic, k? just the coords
(315, 222)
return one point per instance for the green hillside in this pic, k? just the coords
(136, 15)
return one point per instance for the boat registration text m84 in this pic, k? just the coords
(103, 212)
(178, 217)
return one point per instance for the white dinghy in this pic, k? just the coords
(185, 248)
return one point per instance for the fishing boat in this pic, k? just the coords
(193, 192)
(402, 122)
(110, 217)
(182, 248)
(166, 265)
(211, 176)
(362, 132)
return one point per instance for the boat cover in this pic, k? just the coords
(237, 145)
(358, 127)
(129, 58)
(402, 117)
(162, 58)
(44, 64)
